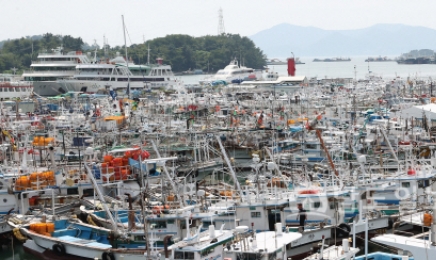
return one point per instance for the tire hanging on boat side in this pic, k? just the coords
(59, 249)
(107, 256)
(343, 230)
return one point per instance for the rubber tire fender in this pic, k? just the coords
(344, 229)
(107, 256)
(59, 249)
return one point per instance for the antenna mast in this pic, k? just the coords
(221, 28)
(148, 50)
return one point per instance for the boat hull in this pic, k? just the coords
(88, 250)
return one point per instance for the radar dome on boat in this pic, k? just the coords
(241, 229)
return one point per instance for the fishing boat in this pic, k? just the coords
(342, 252)
(263, 245)
(64, 238)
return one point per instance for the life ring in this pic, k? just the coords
(343, 230)
(59, 249)
(107, 256)
(401, 193)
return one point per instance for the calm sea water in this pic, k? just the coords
(357, 67)
(15, 253)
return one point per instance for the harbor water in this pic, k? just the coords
(356, 68)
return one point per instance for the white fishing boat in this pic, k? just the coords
(343, 252)
(86, 241)
(263, 245)
(205, 245)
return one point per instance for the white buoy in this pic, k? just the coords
(345, 245)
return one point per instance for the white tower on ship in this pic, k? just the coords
(221, 28)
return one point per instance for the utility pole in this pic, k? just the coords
(355, 74)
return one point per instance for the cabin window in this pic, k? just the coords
(316, 204)
(72, 191)
(310, 146)
(88, 192)
(255, 214)
(158, 224)
(423, 183)
(183, 255)
(332, 205)
(206, 224)
(205, 252)
(250, 256)
(405, 184)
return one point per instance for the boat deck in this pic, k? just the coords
(77, 240)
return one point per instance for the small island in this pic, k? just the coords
(332, 59)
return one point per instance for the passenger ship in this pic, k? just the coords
(10, 87)
(49, 67)
(118, 75)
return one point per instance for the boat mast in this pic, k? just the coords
(125, 45)
(127, 58)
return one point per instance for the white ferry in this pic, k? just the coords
(49, 67)
(117, 75)
(10, 87)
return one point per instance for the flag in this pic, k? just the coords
(291, 67)
(113, 94)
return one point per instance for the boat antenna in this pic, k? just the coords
(148, 54)
(95, 52)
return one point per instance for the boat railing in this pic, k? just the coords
(416, 241)
(49, 72)
(72, 62)
(110, 174)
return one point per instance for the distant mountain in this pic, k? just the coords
(380, 39)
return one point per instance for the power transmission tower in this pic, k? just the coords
(105, 47)
(221, 28)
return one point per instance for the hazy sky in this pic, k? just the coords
(91, 19)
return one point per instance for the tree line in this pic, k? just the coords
(182, 52)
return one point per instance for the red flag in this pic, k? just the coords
(291, 67)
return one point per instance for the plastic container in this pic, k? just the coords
(33, 177)
(22, 183)
(125, 161)
(50, 227)
(50, 175)
(108, 158)
(33, 201)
